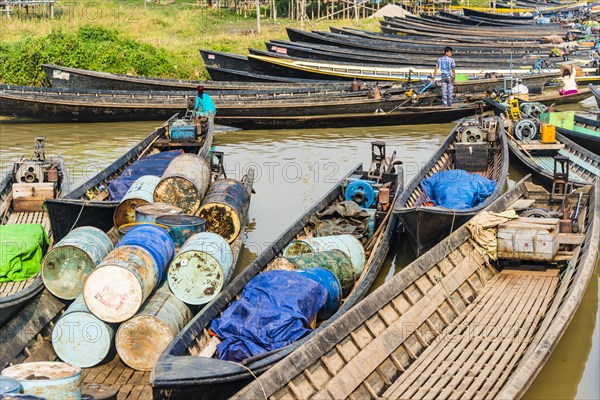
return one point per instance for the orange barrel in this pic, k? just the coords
(336, 261)
(346, 243)
(201, 268)
(548, 133)
(47, 379)
(142, 339)
(224, 208)
(184, 182)
(150, 212)
(119, 286)
(80, 338)
(140, 193)
(66, 266)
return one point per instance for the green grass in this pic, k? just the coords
(121, 36)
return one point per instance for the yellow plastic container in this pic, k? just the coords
(548, 133)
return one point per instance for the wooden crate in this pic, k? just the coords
(529, 239)
(29, 197)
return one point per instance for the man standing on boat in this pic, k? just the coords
(446, 66)
(204, 105)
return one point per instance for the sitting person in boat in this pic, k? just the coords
(446, 66)
(204, 105)
(568, 76)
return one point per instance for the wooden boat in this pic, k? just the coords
(181, 374)
(89, 204)
(583, 165)
(596, 93)
(585, 132)
(451, 324)
(25, 338)
(75, 78)
(220, 59)
(426, 224)
(499, 16)
(14, 209)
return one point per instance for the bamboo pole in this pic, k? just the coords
(257, 16)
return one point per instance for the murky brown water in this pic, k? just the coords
(296, 167)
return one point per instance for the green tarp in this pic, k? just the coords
(21, 250)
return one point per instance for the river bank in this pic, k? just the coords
(122, 36)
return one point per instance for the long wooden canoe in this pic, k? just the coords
(186, 369)
(89, 204)
(451, 324)
(15, 295)
(25, 337)
(584, 166)
(75, 78)
(425, 224)
(596, 93)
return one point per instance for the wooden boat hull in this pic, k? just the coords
(439, 319)
(219, 59)
(179, 376)
(78, 209)
(595, 93)
(586, 140)
(426, 226)
(75, 78)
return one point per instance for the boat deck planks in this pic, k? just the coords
(132, 385)
(506, 316)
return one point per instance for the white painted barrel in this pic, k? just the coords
(201, 268)
(140, 193)
(142, 339)
(346, 243)
(80, 338)
(47, 379)
(122, 282)
(150, 212)
(66, 266)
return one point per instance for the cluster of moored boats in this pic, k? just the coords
(124, 286)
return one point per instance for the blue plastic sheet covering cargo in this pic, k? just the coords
(457, 189)
(275, 309)
(154, 164)
(22, 248)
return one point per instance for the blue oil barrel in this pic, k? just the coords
(140, 193)
(141, 339)
(48, 379)
(149, 212)
(201, 268)
(66, 266)
(155, 240)
(181, 227)
(80, 338)
(346, 243)
(334, 290)
(121, 283)
(9, 385)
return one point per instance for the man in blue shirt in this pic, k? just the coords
(446, 65)
(204, 105)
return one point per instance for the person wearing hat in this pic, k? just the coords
(446, 66)
(204, 105)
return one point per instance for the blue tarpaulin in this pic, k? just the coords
(274, 310)
(148, 165)
(457, 189)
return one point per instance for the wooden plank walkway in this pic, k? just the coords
(132, 385)
(473, 357)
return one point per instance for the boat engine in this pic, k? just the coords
(36, 169)
(526, 129)
(533, 109)
(361, 192)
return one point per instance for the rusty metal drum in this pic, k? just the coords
(140, 193)
(346, 243)
(336, 261)
(224, 208)
(49, 380)
(119, 286)
(80, 338)
(184, 183)
(181, 227)
(201, 268)
(142, 339)
(150, 212)
(66, 266)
